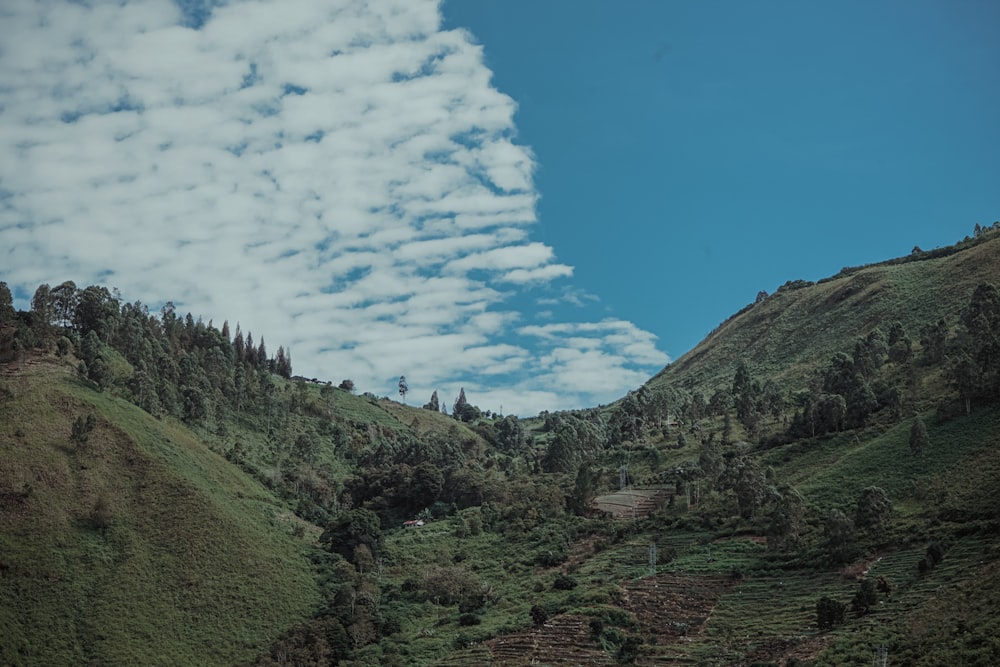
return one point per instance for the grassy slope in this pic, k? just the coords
(193, 565)
(795, 331)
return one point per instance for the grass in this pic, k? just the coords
(832, 470)
(796, 331)
(140, 546)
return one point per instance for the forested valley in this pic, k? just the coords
(814, 484)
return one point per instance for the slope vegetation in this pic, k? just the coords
(133, 544)
(791, 333)
(813, 484)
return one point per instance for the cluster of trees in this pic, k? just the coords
(165, 363)
(849, 390)
(753, 402)
(461, 410)
(974, 363)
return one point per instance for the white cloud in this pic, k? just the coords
(339, 177)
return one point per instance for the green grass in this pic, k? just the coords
(794, 332)
(189, 564)
(831, 471)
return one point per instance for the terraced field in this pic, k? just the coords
(631, 503)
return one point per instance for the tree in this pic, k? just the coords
(933, 340)
(874, 508)
(433, 404)
(403, 387)
(870, 353)
(978, 374)
(865, 598)
(900, 345)
(7, 313)
(426, 485)
(41, 308)
(710, 461)
(772, 401)
(347, 385)
(746, 396)
(829, 613)
(848, 377)
(92, 356)
(840, 535)
(195, 404)
(80, 431)
(283, 363)
(463, 410)
(562, 453)
(787, 518)
(64, 298)
(306, 447)
(96, 310)
(351, 528)
(583, 490)
(919, 441)
(744, 477)
(239, 345)
(511, 435)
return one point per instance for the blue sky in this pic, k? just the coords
(693, 153)
(542, 202)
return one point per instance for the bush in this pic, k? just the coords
(564, 583)
(101, 516)
(466, 620)
(829, 612)
(865, 598)
(935, 553)
(551, 557)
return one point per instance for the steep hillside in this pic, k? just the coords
(131, 543)
(789, 334)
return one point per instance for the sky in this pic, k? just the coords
(541, 202)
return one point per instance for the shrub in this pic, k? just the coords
(935, 552)
(564, 583)
(829, 612)
(865, 598)
(101, 516)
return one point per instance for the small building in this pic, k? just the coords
(414, 523)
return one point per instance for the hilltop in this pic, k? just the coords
(792, 332)
(815, 480)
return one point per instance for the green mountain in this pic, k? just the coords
(814, 484)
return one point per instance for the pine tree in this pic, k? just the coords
(7, 314)
(239, 346)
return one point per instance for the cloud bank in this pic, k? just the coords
(339, 177)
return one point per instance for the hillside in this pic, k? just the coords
(137, 545)
(814, 481)
(791, 333)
